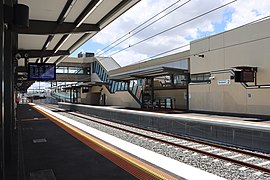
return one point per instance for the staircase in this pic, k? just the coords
(114, 86)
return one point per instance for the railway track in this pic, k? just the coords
(243, 158)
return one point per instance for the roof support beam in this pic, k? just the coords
(121, 5)
(85, 13)
(40, 53)
(50, 27)
(60, 20)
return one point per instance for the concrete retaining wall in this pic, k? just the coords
(238, 134)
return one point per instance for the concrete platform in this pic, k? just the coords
(235, 131)
(49, 152)
(171, 168)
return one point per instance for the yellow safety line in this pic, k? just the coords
(104, 145)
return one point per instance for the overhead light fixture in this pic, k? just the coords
(88, 14)
(47, 59)
(47, 44)
(62, 43)
(69, 9)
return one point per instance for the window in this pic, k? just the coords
(180, 79)
(200, 78)
(85, 89)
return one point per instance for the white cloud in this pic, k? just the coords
(243, 11)
(128, 57)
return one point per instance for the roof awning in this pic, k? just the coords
(58, 28)
(148, 73)
(246, 68)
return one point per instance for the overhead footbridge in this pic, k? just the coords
(158, 83)
(57, 28)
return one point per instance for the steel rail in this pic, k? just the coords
(235, 161)
(182, 137)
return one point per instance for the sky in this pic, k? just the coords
(234, 15)
(229, 17)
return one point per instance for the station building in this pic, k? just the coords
(156, 83)
(230, 71)
(224, 73)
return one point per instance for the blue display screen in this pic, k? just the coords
(41, 71)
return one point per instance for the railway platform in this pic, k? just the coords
(252, 133)
(54, 147)
(49, 152)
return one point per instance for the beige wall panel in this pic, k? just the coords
(199, 97)
(178, 95)
(86, 98)
(235, 98)
(91, 97)
(245, 46)
(216, 60)
(94, 77)
(199, 46)
(213, 60)
(259, 101)
(95, 89)
(121, 98)
(216, 42)
(253, 54)
(216, 95)
(247, 33)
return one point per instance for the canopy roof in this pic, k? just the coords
(58, 28)
(172, 64)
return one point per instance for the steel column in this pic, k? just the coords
(152, 91)
(2, 159)
(8, 94)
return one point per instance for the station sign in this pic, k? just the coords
(224, 82)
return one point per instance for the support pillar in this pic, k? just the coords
(2, 156)
(152, 91)
(9, 86)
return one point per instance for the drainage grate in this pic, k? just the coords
(43, 140)
(46, 174)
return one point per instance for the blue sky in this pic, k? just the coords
(236, 14)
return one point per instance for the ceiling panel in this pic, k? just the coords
(104, 8)
(31, 41)
(54, 41)
(51, 9)
(71, 40)
(53, 59)
(44, 9)
(81, 43)
(32, 60)
(76, 10)
(118, 13)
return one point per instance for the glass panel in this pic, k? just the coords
(113, 85)
(200, 77)
(168, 102)
(206, 76)
(193, 78)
